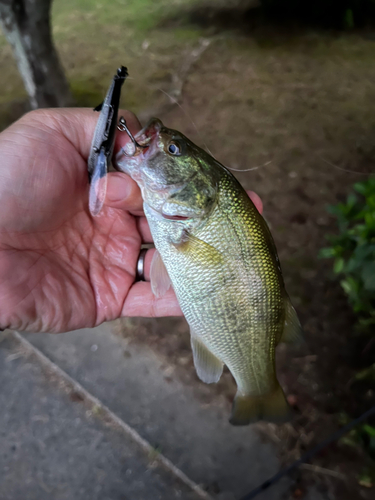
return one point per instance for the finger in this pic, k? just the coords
(123, 192)
(256, 200)
(144, 230)
(142, 302)
(78, 125)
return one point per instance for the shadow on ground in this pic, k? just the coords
(281, 19)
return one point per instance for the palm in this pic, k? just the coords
(61, 269)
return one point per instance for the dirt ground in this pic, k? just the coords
(295, 106)
(299, 102)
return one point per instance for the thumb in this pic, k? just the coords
(77, 125)
(123, 192)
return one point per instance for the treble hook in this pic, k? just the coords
(124, 128)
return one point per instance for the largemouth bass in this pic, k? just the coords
(216, 250)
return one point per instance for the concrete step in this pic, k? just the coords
(227, 461)
(54, 445)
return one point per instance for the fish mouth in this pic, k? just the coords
(143, 140)
(149, 132)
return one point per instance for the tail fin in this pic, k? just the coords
(272, 407)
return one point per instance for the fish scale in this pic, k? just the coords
(224, 231)
(223, 265)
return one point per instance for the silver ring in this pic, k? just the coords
(140, 269)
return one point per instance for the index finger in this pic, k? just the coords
(142, 302)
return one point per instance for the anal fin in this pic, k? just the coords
(159, 277)
(209, 368)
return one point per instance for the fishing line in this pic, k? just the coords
(249, 169)
(341, 168)
(201, 137)
(175, 101)
(205, 145)
(339, 433)
(308, 455)
(190, 118)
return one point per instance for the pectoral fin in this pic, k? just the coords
(292, 327)
(159, 277)
(271, 407)
(209, 368)
(199, 250)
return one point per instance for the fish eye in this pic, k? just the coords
(174, 148)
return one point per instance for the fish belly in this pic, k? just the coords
(233, 302)
(228, 311)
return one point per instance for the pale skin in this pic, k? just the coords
(60, 268)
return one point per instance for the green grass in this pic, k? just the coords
(93, 38)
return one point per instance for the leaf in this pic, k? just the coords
(368, 276)
(349, 285)
(365, 480)
(366, 374)
(363, 252)
(349, 19)
(369, 430)
(353, 251)
(338, 266)
(360, 187)
(327, 253)
(349, 441)
(351, 201)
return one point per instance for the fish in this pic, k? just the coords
(216, 250)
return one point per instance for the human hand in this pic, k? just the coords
(61, 269)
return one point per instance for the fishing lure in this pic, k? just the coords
(102, 144)
(104, 139)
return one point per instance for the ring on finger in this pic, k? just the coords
(140, 269)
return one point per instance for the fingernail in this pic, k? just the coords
(256, 200)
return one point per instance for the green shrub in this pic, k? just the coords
(353, 250)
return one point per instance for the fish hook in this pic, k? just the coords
(122, 127)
